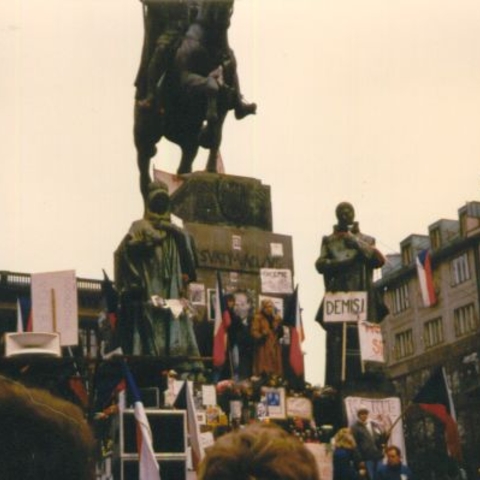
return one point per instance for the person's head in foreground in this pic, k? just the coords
(42, 437)
(258, 452)
(394, 456)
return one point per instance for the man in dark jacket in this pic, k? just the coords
(370, 438)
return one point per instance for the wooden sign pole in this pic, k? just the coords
(54, 309)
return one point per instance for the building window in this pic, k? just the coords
(407, 256)
(400, 299)
(465, 320)
(435, 238)
(459, 270)
(404, 344)
(433, 332)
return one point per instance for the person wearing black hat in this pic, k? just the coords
(370, 438)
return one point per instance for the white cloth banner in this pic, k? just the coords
(371, 342)
(384, 412)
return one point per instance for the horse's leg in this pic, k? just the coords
(189, 152)
(215, 147)
(143, 161)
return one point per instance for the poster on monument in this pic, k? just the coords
(345, 306)
(385, 412)
(276, 280)
(371, 342)
(55, 305)
(277, 302)
(196, 293)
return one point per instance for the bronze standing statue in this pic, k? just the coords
(187, 81)
(156, 259)
(347, 260)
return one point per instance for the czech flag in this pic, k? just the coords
(434, 398)
(222, 323)
(425, 278)
(148, 464)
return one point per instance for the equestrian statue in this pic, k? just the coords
(187, 81)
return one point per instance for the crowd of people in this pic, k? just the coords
(360, 450)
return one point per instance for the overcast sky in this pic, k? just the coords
(375, 102)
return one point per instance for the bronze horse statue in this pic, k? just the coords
(195, 91)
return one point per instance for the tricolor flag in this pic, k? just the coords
(293, 319)
(185, 401)
(425, 278)
(222, 323)
(148, 464)
(435, 398)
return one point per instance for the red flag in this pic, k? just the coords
(294, 320)
(222, 322)
(434, 397)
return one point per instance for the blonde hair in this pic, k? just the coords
(344, 439)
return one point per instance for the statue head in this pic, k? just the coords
(216, 14)
(158, 201)
(345, 214)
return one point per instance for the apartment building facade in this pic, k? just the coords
(419, 338)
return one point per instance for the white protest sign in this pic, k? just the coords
(276, 280)
(345, 306)
(385, 412)
(55, 305)
(371, 342)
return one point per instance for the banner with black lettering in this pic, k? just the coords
(371, 342)
(345, 306)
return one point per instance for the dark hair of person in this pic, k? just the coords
(42, 437)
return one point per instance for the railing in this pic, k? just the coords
(24, 279)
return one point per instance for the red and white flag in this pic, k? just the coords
(148, 464)
(222, 323)
(425, 278)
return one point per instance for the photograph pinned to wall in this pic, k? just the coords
(245, 303)
(277, 302)
(276, 249)
(196, 293)
(275, 402)
(236, 242)
(276, 280)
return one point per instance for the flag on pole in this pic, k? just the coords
(110, 296)
(147, 464)
(435, 398)
(293, 319)
(222, 322)
(185, 401)
(425, 278)
(24, 314)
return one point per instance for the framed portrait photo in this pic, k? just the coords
(275, 400)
